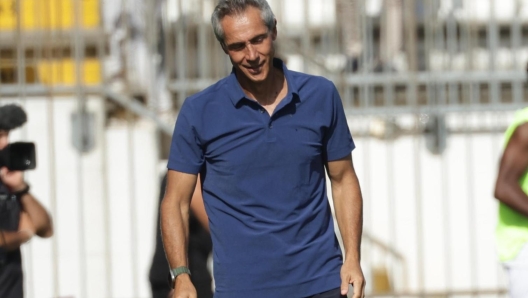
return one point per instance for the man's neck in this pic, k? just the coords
(265, 92)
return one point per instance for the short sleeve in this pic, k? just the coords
(186, 154)
(338, 140)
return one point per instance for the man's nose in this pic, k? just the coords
(251, 53)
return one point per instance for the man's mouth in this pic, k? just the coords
(255, 69)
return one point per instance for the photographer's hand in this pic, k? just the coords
(14, 180)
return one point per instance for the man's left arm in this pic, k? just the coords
(14, 180)
(348, 205)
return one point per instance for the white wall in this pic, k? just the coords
(104, 211)
(456, 207)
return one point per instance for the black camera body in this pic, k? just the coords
(18, 156)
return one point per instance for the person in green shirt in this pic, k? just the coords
(511, 190)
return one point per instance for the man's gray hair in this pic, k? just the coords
(233, 7)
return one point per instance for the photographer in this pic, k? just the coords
(21, 215)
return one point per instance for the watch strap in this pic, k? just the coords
(20, 193)
(180, 270)
(174, 272)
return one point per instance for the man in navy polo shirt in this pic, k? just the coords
(260, 141)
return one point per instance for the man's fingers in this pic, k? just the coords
(344, 285)
(357, 292)
(359, 288)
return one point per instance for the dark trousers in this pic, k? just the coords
(335, 293)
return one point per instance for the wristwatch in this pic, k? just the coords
(174, 272)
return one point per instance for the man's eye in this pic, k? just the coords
(259, 39)
(236, 47)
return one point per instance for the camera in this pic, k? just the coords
(18, 156)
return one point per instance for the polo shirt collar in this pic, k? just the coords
(236, 94)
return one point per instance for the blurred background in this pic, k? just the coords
(428, 86)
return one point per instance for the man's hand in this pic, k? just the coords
(183, 287)
(351, 274)
(14, 180)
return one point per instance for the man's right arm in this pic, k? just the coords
(11, 240)
(513, 165)
(175, 209)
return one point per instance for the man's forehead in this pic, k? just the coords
(244, 26)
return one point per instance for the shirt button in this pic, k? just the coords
(262, 111)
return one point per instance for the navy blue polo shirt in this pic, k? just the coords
(263, 180)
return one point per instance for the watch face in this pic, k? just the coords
(171, 279)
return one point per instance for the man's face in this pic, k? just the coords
(4, 134)
(249, 44)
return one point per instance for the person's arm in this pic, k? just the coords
(39, 216)
(198, 207)
(348, 206)
(11, 240)
(513, 165)
(175, 209)
(14, 180)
